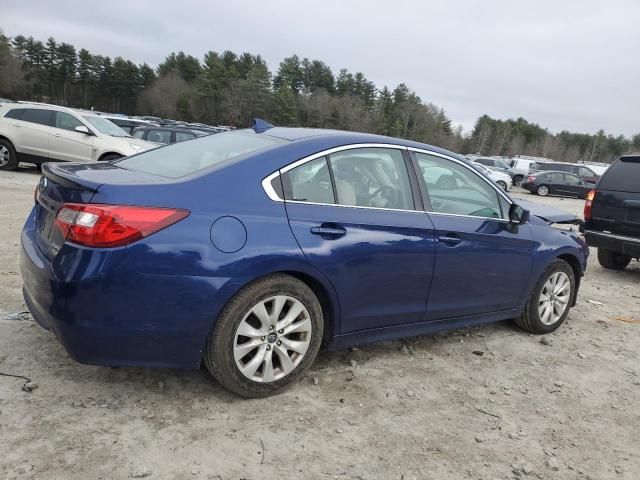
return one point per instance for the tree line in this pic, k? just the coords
(229, 88)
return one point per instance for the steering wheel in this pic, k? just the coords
(389, 194)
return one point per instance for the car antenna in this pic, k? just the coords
(260, 126)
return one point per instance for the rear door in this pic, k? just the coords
(68, 145)
(482, 260)
(353, 214)
(616, 207)
(575, 186)
(31, 132)
(555, 182)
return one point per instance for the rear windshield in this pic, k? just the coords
(622, 176)
(185, 158)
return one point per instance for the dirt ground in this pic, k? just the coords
(483, 403)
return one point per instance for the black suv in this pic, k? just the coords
(585, 173)
(612, 214)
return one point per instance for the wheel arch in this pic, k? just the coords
(575, 265)
(106, 154)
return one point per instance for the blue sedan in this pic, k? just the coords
(247, 250)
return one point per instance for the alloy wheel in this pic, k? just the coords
(4, 155)
(272, 338)
(554, 298)
(543, 191)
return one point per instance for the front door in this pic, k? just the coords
(482, 261)
(354, 217)
(67, 144)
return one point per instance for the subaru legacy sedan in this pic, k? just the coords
(245, 251)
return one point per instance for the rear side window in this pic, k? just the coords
(622, 176)
(139, 133)
(310, 182)
(159, 136)
(15, 113)
(185, 158)
(37, 115)
(182, 136)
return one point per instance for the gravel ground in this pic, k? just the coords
(482, 403)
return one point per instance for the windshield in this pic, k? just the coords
(184, 158)
(105, 126)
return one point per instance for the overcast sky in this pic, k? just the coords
(565, 64)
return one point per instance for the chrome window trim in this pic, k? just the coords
(358, 206)
(272, 194)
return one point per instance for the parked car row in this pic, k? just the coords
(38, 133)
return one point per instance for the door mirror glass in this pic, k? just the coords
(83, 129)
(518, 215)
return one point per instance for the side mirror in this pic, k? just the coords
(518, 215)
(83, 129)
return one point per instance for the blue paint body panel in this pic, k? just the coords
(155, 301)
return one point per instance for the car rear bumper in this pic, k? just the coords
(613, 242)
(104, 312)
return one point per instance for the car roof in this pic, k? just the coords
(544, 172)
(343, 137)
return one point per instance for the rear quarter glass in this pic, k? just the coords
(622, 176)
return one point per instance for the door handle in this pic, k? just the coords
(17, 124)
(328, 230)
(450, 239)
(56, 134)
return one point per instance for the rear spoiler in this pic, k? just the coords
(68, 175)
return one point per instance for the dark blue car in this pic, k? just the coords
(246, 250)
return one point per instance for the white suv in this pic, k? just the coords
(38, 133)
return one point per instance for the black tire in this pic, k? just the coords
(544, 192)
(502, 185)
(517, 180)
(218, 355)
(530, 318)
(613, 260)
(110, 157)
(12, 162)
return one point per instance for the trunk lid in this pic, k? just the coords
(73, 183)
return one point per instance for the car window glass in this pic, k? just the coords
(15, 113)
(139, 133)
(622, 176)
(572, 179)
(159, 136)
(182, 136)
(37, 115)
(586, 173)
(66, 121)
(310, 182)
(553, 178)
(372, 177)
(456, 190)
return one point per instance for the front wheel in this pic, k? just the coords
(502, 185)
(110, 157)
(517, 180)
(550, 300)
(613, 260)
(266, 337)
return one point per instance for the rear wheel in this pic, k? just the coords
(502, 185)
(613, 260)
(550, 300)
(8, 157)
(266, 337)
(543, 190)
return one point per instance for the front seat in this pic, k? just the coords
(346, 193)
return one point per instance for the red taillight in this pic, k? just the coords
(96, 225)
(587, 205)
(531, 179)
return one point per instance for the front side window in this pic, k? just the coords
(372, 177)
(105, 126)
(572, 179)
(183, 136)
(456, 190)
(159, 136)
(310, 182)
(37, 115)
(67, 122)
